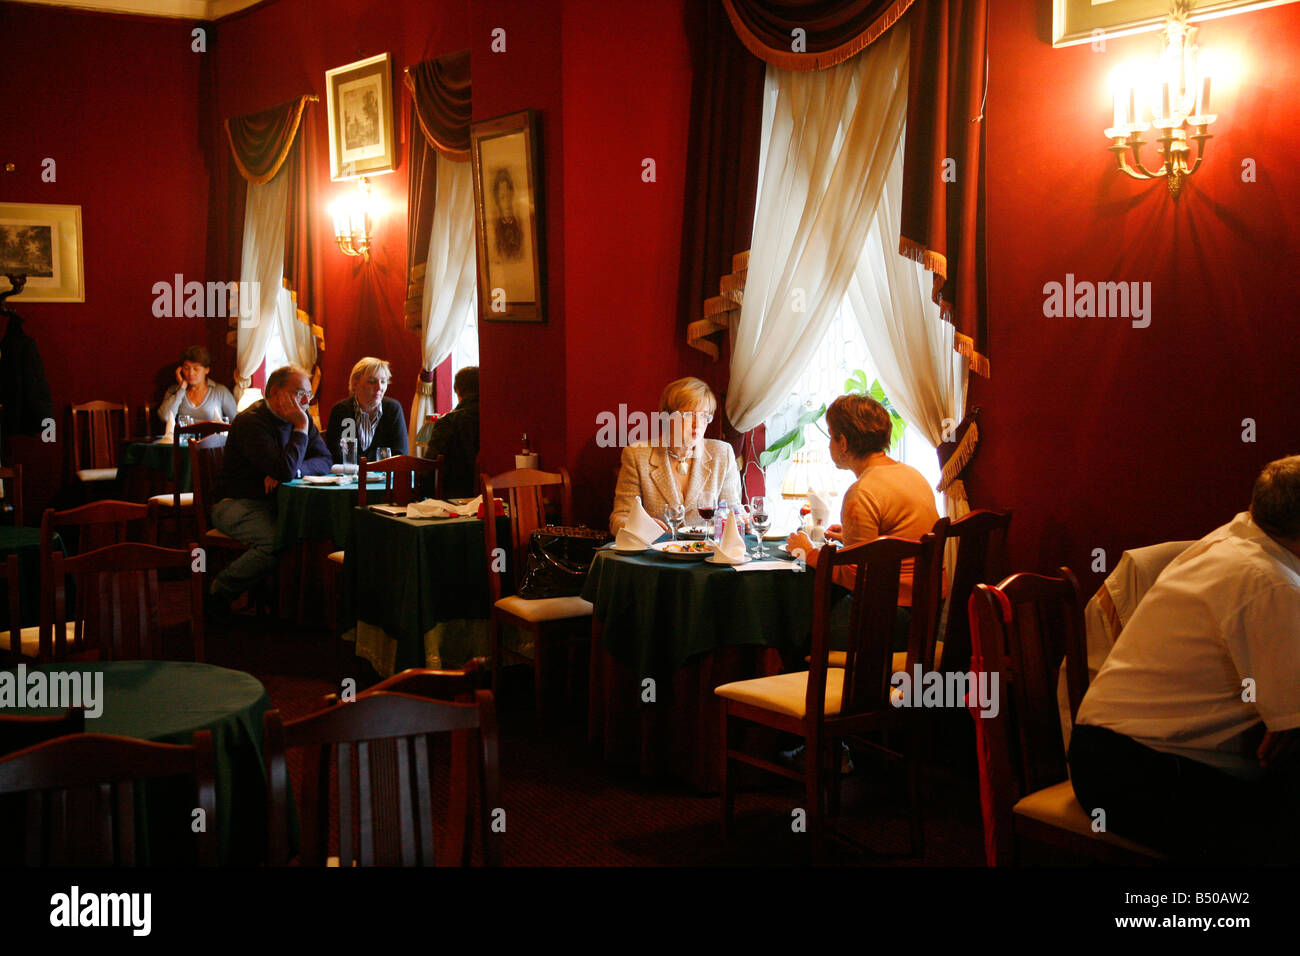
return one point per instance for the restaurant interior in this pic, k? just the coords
(1069, 302)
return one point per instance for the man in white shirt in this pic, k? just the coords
(1187, 739)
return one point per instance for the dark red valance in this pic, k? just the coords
(833, 30)
(943, 215)
(440, 96)
(260, 142)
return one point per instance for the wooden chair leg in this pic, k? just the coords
(595, 688)
(914, 800)
(836, 777)
(539, 701)
(724, 779)
(494, 626)
(813, 795)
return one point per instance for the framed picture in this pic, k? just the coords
(42, 242)
(360, 101)
(507, 216)
(1075, 21)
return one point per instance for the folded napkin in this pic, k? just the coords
(732, 547)
(771, 564)
(820, 503)
(321, 479)
(434, 508)
(640, 532)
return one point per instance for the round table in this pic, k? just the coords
(26, 543)
(166, 702)
(305, 511)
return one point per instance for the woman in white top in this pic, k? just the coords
(680, 465)
(193, 394)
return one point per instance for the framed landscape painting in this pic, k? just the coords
(360, 101)
(507, 218)
(42, 242)
(1076, 21)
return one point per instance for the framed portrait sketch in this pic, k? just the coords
(360, 101)
(507, 218)
(1075, 21)
(42, 242)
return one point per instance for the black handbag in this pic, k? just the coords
(558, 560)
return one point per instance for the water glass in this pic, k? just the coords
(674, 515)
(349, 448)
(382, 453)
(183, 421)
(761, 519)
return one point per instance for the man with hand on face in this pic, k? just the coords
(271, 441)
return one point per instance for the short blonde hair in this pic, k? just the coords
(686, 393)
(367, 366)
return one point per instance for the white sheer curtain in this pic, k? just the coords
(828, 139)
(262, 261)
(911, 345)
(450, 295)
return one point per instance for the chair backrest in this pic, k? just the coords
(404, 478)
(434, 684)
(194, 432)
(11, 481)
(97, 525)
(81, 795)
(207, 455)
(868, 663)
(12, 595)
(1022, 630)
(117, 602)
(981, 559)
(19, 733)
(522, 491)
(390, 820)
(98, 428)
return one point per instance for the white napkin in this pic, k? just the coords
(434, 508)
(732, 546)
(771, 564)
(321, 479)
(640, 532)
(820, 503)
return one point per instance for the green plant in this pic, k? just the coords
(793, 440)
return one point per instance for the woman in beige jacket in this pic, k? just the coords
(684, 467)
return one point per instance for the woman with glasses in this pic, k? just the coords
(679, 466)
(376, 420)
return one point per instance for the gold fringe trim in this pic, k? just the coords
(284, 153)
(811, 62)
(455, 155)
(916, 251)
(959, 459)
(424, 389)
(965, 345)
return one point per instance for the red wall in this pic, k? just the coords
(112, 101)
(1098, 434)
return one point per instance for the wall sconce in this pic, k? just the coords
(1175, 94)
(352, 221)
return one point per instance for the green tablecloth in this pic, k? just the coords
(305, 512)
(659, 612)
(26, 543)
(157, 457)
(417, 589)
(166, 702)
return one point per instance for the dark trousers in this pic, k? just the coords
(1193, 812)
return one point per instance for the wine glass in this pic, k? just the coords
(706, 507)
(674, 515)
(761, 519)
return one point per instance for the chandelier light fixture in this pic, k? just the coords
(1170, 99)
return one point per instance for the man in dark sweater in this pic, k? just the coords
(271, 441)
(455, 437)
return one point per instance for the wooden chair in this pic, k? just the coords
(206, 458)
(11, 490)
(553, 622)
(981, 559)
(824, 704)
(1021, 631)
(97, 525)
(81, 795)
(177, 503)
(116, 616)
(98, 431)
(18, 733)
(383, 826)
(20, 642)
(403, 478)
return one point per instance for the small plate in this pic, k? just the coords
(628, 550)
(662, 548)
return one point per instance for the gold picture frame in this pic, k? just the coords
(359, 97)
(507, 218)
(43, 242)
(1078, 21)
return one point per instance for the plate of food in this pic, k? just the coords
(684, 550)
